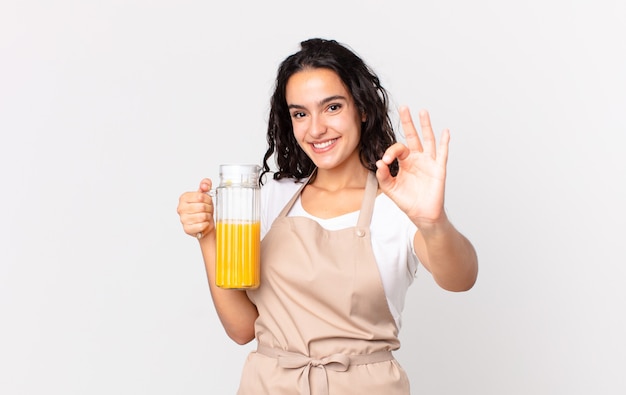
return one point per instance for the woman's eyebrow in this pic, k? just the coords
(321, 103)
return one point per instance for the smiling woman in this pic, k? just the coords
(346, 219)
(326, 122)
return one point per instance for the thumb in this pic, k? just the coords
(205, 185)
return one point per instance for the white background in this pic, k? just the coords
(109, 110)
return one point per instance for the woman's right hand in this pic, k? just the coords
(196, 211)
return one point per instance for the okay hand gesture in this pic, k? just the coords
(419, 187)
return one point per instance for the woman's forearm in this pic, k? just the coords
(448, 255)
(235, 310)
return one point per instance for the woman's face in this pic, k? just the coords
(326, 122)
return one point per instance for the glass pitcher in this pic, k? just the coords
(238, 227)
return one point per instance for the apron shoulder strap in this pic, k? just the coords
(367, 206)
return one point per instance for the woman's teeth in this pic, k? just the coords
(324, 144)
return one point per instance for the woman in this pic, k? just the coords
(346, 218)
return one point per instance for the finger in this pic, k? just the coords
(196, 222)
(427, 133)
(396, 151)
(194, 197)
(194, 229)
(443, 148)
(410, 133)
(194, 202)
(199, 207)
(202, 218)
(193, 213)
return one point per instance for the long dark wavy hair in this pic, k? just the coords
(369, 97)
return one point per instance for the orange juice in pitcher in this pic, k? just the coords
(238, 254)
(238, 227)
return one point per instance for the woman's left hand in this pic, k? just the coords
(419, 187)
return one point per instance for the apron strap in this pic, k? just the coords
(336, 362)
(295, 196)
(367, 206)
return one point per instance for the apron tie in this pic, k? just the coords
(319, 376)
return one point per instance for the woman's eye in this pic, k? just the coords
(297, 115)
(334, 107)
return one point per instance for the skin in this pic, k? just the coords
(326, 124)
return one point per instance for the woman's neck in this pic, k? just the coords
(346, 177)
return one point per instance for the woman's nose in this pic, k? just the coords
(317, 127)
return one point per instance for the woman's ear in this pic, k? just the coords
(363, 117)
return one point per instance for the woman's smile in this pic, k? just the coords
(324, 145)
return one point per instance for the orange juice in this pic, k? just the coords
(238, 255)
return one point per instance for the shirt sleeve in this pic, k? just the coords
(266, 198)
